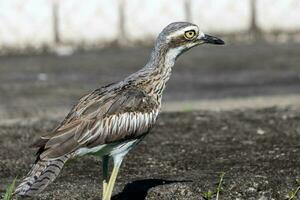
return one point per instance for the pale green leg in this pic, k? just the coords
(105, 163)
(117, 163)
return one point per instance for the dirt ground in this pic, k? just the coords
(257, 148)
(181, 158)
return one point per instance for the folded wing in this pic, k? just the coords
(101, 118)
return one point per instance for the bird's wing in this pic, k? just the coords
(101, 118)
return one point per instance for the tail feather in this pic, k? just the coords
(42, 173)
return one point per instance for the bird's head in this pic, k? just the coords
(182, 36)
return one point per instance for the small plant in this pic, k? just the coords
(10, 190)
(293, 194)
(210, 194)
(219, 188)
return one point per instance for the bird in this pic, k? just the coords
(113, 119)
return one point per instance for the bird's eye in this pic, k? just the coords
(189, 34)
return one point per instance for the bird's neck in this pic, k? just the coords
(159, 68)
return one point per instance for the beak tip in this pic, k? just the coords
(213, 40)
(220, 42)
(217, 41)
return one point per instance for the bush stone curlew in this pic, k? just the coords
(111, 120)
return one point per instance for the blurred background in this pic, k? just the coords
(52, 52)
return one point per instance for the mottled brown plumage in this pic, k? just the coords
(80, 128)
(112, 119)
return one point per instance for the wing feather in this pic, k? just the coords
(98, 120)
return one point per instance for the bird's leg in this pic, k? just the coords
(105, 163)
(117, 163)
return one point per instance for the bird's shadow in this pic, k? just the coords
(138, 189)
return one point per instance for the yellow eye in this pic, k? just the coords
(189, 34)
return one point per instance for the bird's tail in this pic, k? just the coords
(42, 173)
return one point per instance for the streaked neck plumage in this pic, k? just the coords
(154, 76)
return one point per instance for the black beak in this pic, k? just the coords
(212, 40)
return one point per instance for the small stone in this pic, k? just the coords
(42, 77)
(260, 131)
(251, 189)
(224, 128)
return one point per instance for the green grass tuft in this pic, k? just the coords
(210, 194)
(219, 188)
(10, 190)
(292, 195)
